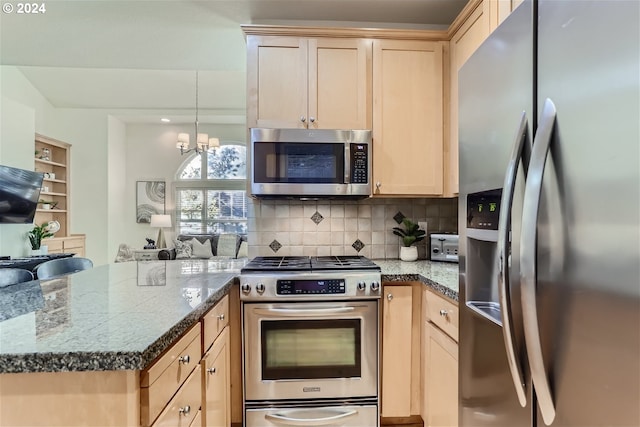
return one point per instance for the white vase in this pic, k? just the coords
(408, 253)
(35, 252)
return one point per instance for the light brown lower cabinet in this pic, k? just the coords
(183, 408)
(440, 405)
(439, 362)
(216, 387)
(400, 355)
(181, 388)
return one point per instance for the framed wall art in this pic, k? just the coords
(149, 200)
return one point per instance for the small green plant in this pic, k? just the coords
(38, 233)
(411, 233)
(48, 202)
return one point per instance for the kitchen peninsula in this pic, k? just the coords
(82, 345)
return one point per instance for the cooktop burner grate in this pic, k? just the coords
(299, 263)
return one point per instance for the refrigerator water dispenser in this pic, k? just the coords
(482, 261)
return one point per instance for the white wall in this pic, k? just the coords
(107, 158)
(25, 112)
(116, 187)
(16, 149)
(151, 155)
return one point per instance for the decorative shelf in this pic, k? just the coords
(52, 210)
(49, 193)
(48, 162)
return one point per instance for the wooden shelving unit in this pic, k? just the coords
(52, 158)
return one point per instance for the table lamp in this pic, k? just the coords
(161, 222)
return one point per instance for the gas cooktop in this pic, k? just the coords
(302, 263)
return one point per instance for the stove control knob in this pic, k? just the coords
(246, 288)
(436, 250)
(260, 288)
(362, 286)
(375, 286)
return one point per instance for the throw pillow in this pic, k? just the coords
(183, 249)
(201, 250)
(227, 244)
(243, 252)
(125, 253)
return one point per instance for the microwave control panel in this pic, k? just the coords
(359, 163)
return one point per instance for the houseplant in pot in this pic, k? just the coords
(410, 235)
(36, 235)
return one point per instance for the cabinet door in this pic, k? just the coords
(407, 117)
(464, 42)
(216, 383)
(396, 351)
(440, 406)
(276, 82)
(339, 84)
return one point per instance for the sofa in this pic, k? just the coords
(206, 246)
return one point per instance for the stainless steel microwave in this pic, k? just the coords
(304, 163)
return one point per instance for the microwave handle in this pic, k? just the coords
(347, 163)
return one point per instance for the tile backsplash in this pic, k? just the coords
(319, 228)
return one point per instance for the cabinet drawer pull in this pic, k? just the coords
(221, 317)
(444, 312)
(185, 411)
(303, 119)
(390, 297)
(211, 371)
(184, 359)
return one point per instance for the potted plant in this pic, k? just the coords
(410, 235)
(48, 204)
(36, 235)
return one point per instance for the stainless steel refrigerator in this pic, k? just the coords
(549, 218)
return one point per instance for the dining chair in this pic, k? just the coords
(58, 267)
(11, 276)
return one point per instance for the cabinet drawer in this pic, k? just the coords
(53, 245)
(160, 381)
(197, 420)
(185, 406)
(146, 255)
(442, 313)
(73, 243)
(214, 322)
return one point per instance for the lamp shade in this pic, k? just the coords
(161, 221)
(214, 143)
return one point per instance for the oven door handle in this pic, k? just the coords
(284, 420)
(302, 312)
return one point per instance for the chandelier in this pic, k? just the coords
(203, 142)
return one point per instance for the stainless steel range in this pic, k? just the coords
(310, 341)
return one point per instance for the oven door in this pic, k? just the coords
(308, 350)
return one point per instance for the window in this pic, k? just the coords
(210, 192)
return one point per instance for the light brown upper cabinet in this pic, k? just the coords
(308, 83)
(407, 118)
(466, 39)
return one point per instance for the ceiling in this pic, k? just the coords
(138, 57)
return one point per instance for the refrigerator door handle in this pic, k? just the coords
(528, 261)
(504, 225)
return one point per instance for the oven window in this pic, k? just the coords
(290, 162)
(300, 349)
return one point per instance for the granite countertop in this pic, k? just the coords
(112, 317)
(440, 276)
(122, 316)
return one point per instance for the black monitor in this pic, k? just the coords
(19, 194)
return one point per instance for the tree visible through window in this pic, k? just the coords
(216, 203)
